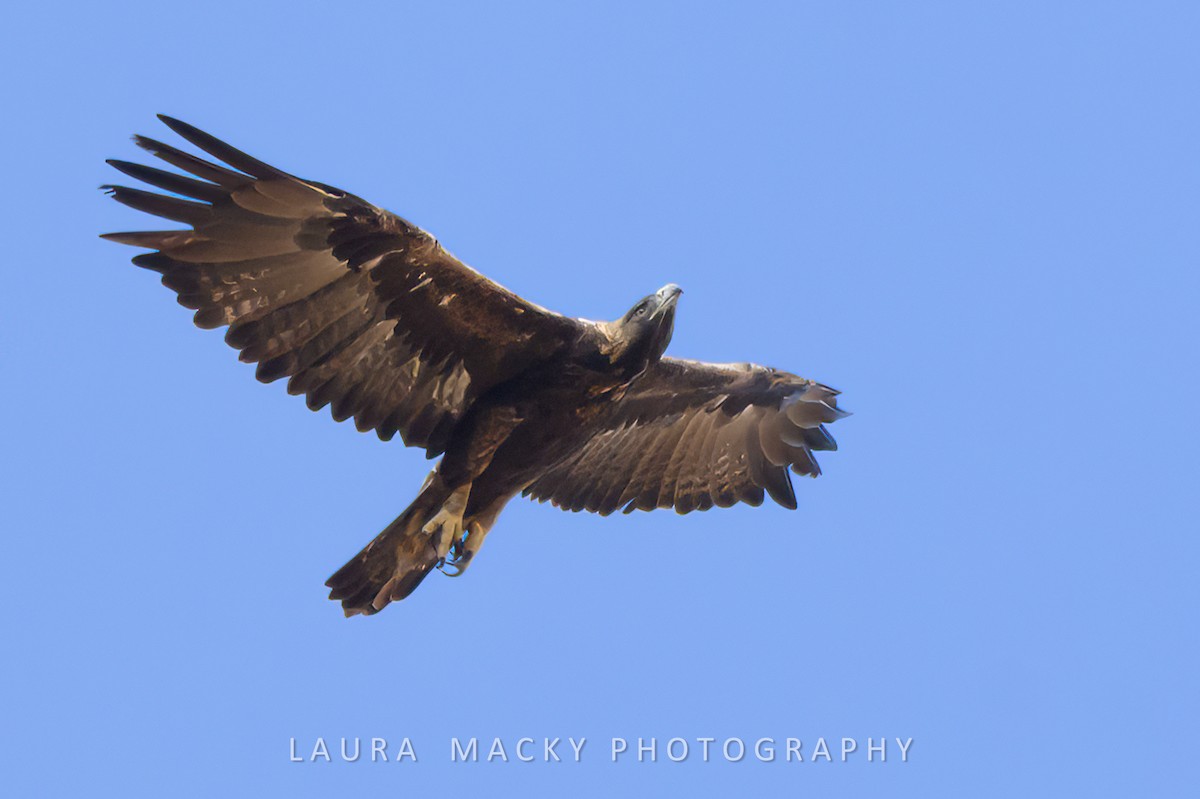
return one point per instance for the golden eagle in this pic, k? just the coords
(365, 312)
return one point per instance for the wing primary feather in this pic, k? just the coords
(818, 438)
(190, 187)
(152, 239)
(190, 163)
(191, 213)
(804, 463)
(219, 149)
(779, 485)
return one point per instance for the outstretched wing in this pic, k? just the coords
(362, 310)
(691, 435)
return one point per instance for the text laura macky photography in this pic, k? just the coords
(577, 749)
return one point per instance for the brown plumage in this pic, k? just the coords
(366, 313)
(692, 435)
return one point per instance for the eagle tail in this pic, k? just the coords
(392, 566)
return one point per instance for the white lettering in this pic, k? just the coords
(457, 752)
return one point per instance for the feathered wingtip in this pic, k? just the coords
(815, 405)
(219, 149)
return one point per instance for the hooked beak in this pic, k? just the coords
(668, 295)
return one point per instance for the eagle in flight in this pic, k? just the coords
(365, 312)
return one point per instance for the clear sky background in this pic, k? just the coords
(978, 220)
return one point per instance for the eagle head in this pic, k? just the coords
(641, 336)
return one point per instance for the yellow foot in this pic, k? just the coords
(464, 549)
(446, 526)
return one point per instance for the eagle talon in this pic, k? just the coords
(444, 567)
(459, 557)
(443, 531)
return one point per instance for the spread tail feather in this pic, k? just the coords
(390, 567)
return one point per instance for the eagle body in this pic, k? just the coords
(534, 421)
(366, 313)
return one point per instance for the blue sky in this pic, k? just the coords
(978, 220)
